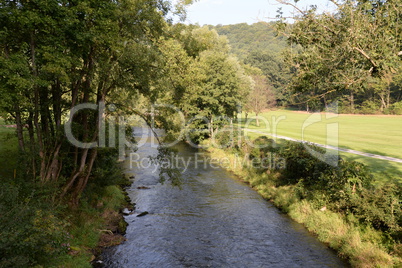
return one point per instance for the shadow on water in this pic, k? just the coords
(212, 221)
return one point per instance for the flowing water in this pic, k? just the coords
(212, 221)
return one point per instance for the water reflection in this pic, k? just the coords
(213, 221)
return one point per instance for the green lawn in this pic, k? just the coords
(8, 150)
(375, 134)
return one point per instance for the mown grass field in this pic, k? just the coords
(376, 134)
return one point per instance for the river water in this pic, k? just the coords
(212, 221)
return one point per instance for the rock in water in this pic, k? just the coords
(142, 214)
(126, 211)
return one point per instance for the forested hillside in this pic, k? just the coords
(261, 46)
(245, 39)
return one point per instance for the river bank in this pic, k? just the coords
(211, 220)
(358, 243)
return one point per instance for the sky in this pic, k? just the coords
(239, 11)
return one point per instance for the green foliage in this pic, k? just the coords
(351, 53)
(346, 188)
(245, 39)
(30, 232)
(228, 138)
(259, 46)
(369, 107)
(105, 171)
(206, 82)
(380, 207)
(396, 108)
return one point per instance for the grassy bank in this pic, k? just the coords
(350, 231)
(95, 225)
(377, 134)
(36, 230)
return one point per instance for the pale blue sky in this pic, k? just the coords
(237, 11)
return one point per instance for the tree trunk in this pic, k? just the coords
(211, 127)
(32, 143)
(352, 102)
(257, 120)
(52, 170)
(83, 179)
(37, 110)
(383, 104)
(388, 97)
(20, 126)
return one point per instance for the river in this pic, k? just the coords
(214, 220)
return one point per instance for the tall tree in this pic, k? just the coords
(57, 54)
(208, 84)
(351, 51)
(261, 97)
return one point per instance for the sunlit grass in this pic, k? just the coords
(375, 134)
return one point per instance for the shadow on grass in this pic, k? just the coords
(383, 170)
(251, 123)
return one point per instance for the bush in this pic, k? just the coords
(302, 165)
(228, 138)
(380, 207)
(30, 234)
(396, 108)
(106, 171)
(369, 107)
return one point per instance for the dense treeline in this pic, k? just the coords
(260, 46)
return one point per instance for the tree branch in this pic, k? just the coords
(366, 56)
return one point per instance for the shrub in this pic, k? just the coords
(30, 234)
(369, 107)
(396, 108)
(302, 165)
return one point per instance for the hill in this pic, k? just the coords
(245, 39)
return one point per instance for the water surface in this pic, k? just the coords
(212, 221)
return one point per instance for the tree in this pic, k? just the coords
(206, 82)
(273, 67)
(353, 51)
(57, 54)
(261, 97)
